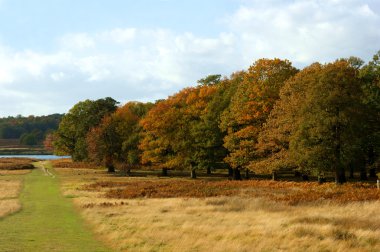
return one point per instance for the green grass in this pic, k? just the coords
(47, 221)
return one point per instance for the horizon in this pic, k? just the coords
(54, 54)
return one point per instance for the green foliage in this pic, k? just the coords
(73, 129)
(210, 80)
(31, 127)
(28, 139)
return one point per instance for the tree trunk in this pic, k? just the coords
(371, 161)
(208, 170)
(363, 175)
(352, 166)
(247, 173)
(109, 164)
(372, 173)
(321, 179)
(274, 175)
(193, 175)
(236, 174)
(340, 176)
(111, 169)
(230, 172)
(164, 172)
(128, 171)
(362, 169)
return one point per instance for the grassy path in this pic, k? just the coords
(47, 221)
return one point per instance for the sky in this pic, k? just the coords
(55, 53)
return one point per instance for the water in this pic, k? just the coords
(43, 157)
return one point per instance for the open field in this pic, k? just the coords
(176, 214)
(11, 171)
(47, 221)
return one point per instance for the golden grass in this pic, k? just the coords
(9, 206)
(223, 223)
(9, 191)
(9, 188)
(14, 172)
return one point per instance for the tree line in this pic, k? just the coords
(31, 130)
(323, 118)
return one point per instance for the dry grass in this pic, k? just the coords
(69, 163)
(289, 192)
(9, 188)
(9, 206)
(16, 163)
(246, 219)
(14, 172)
(9, 191)
(11, 170)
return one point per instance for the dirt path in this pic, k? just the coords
(47, 221)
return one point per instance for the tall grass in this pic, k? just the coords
(235, 222)
(9, 192)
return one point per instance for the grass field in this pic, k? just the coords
(172, 214)
(47, 221)
(150, 213)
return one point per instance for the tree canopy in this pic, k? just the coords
(323, 118)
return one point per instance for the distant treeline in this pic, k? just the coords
(30, 130)
(323, 118)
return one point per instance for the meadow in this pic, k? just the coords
(151, 213)
(11, 183)
(34, 216)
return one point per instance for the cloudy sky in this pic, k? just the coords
(54, 53)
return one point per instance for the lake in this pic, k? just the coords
(44, 157)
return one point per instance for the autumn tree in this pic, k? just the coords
(48, 142)
(250, 107)
(274, 139)
(73, 129)
(117, 137)
(175, 135)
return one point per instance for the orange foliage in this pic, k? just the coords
(250, 107)
(287, 192)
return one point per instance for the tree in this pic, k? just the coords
(117, 137)
(73, 129)
(210, 149)
(274, 138)
(328, 133)
(48, 142)
(250, 107)
(174, 135)
(370, 76)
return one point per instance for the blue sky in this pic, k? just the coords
(58, 52)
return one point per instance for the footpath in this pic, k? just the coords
(47, 221)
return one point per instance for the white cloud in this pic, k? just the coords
(118, 35)
(305, 31)
(77, 41)
(148, 64)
